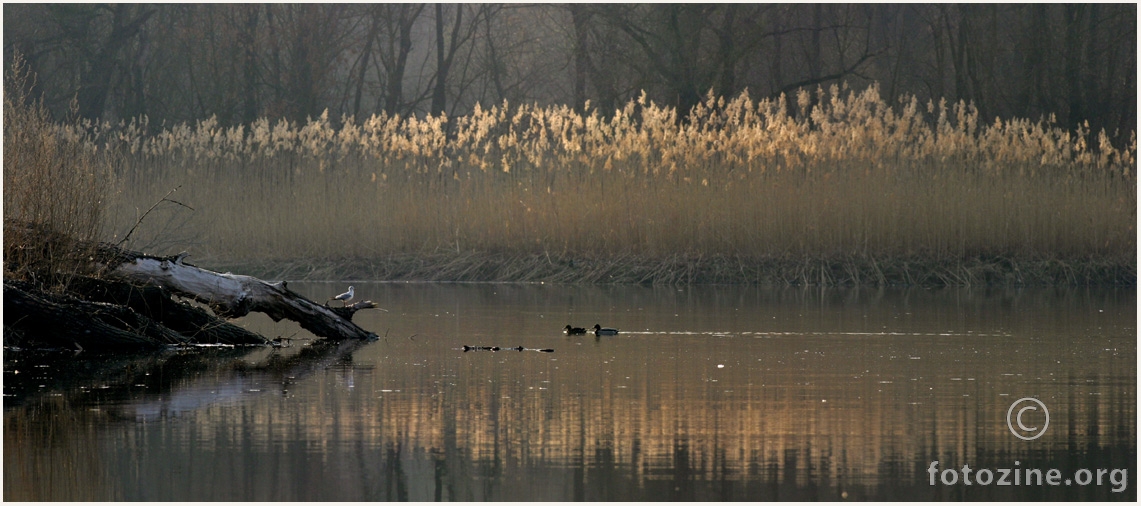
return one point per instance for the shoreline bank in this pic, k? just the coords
(682, 269)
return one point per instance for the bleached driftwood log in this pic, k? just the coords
(197, 325)
(67, 293)
(231, 295)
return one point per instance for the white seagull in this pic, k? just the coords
(345, 297)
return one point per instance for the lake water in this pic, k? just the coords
(708, 393)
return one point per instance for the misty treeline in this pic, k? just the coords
(184, 62)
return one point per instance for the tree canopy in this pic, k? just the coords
(238, 62)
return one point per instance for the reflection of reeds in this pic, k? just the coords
(853, 177)
(519, 429)
(53, 454)
(633, 418)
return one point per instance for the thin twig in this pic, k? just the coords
(141, 218)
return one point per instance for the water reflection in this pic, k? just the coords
(708, 394)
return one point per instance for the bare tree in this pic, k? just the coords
(399, 20)
(445, 55)
(181, 62)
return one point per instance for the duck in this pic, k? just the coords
(599, 330)
(574, 331)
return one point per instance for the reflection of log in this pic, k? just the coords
(232, 295)
(188, 380)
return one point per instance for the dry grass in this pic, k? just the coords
(851, 185)
(55, 186)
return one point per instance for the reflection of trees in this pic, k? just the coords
(396, 482)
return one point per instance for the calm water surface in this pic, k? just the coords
(709, 393)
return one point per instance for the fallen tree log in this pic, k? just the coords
(42, 319)
(99, 296)
(232, 295)
(155, 303)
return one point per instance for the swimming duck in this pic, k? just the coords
(574, 331)
(599, 330)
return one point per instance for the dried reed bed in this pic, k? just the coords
(53, 180)
(838, 187)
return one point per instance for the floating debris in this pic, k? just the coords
(467, 348)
